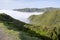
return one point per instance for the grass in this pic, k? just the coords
(11, 34)
(15, 35)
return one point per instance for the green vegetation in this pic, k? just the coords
(47, 24)
(43, 27)
(12, 29)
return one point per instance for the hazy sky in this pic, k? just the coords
(12, 4)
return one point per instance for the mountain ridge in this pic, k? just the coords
(14, 29)
(35, 9)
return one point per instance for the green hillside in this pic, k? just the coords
(47, 24)
(51, 17)
(12, 29)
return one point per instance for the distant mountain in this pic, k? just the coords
(35, 9)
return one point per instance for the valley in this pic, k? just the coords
(41, 26)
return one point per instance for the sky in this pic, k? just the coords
(15, 4)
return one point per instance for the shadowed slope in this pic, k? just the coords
(15, 30)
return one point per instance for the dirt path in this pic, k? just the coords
(3, 35)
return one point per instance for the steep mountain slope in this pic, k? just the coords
(12, 29)
(47, 24)
(6, 34)
(48, 18)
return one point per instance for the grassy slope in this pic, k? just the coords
(8, 34)
(47, 24)
(48, 18)
(12, 29)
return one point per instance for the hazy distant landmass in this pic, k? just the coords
(35, 9)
